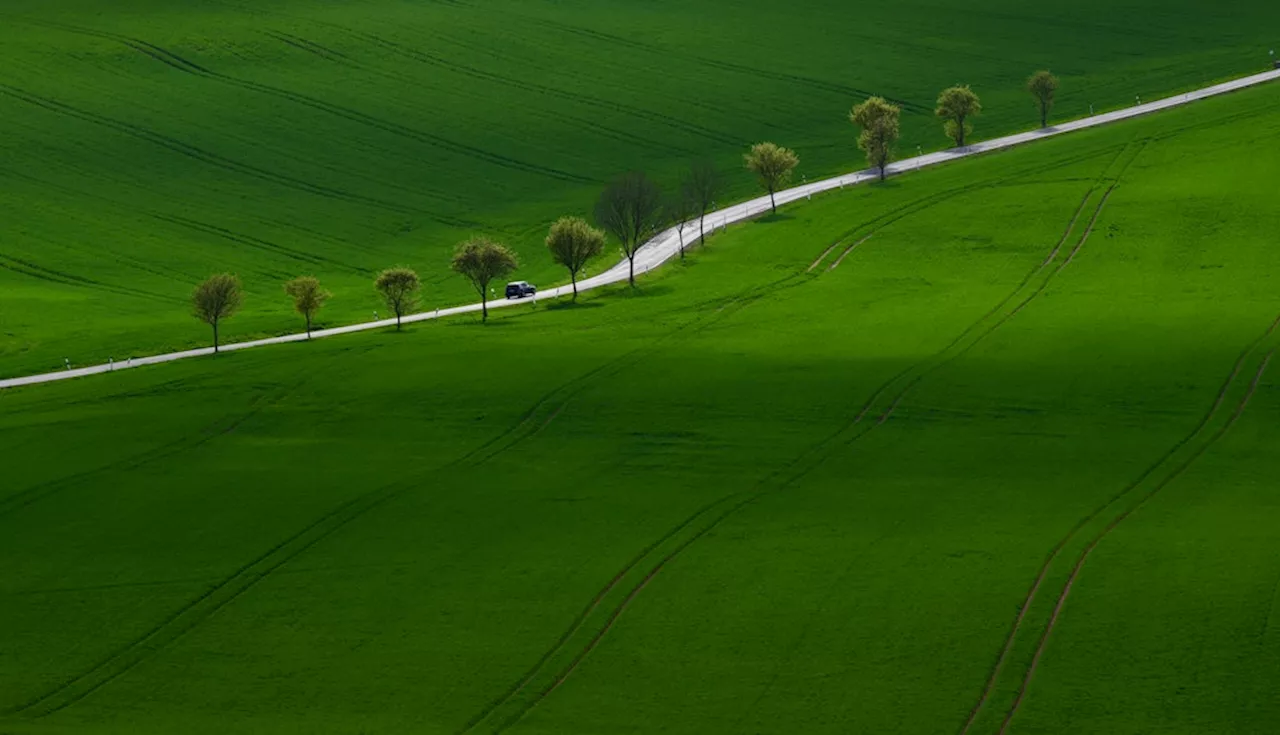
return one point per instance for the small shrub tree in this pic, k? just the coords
(399, 290)
(481, 260)
(956, 106)
(572, 243)
(308, 297)
(879, 121)
(218, 298)
(1042, 85)
(773, 166)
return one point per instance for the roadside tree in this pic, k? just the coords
(308, 297)
(1042, 85)
(879, 121)
(680, 208)
(703, 185)
(773, 166)
(218, 298)
(630, 209)
(481, 260)
(572, 243)
(399, 290)
(956, 106)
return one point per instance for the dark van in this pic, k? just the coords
(520, 289)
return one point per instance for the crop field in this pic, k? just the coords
(149, 143)
(989, 448)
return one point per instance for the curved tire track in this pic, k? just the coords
(179, 63)
(1093, 544)
(1056, 551)
(797, 469)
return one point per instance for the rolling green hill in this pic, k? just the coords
(149, 143)
(996, 436)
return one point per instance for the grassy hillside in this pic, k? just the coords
(804, 482)
(149, 143)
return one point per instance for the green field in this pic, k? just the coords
(149, 143)
(802, 482)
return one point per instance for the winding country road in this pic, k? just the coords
(665, 245)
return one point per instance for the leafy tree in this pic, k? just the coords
(480, 260)
(572, 243)
(956, 106)
(773, 165)
(1042, 85)
(399, 290)
(630, 209)
(308, 297)
(702, 186)
(680, 208)
(880, 129)
(218, 298)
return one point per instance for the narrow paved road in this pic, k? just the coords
(666, 245)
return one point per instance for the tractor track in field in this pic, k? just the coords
(212, 431)
(182, 64)
(337, 57)
(258, 243)
(794, 471)
(32, 270)
(1058, 548)
(558, 398)
(735, 304)
(581, 620)
(649, 48)
(222, 427)
(1176, 473)
(195, 612)
(836, 263)
(440, 62)
(213, 159)
(243, 579)
(943, 359)
(820, 452)
(883, 220)
(851, 432)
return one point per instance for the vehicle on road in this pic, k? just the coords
(520, 289)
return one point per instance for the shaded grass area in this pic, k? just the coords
(765, 493)
(151, 143)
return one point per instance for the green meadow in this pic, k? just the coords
(987, 448)
(150, 143)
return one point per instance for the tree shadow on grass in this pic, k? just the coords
(642, 291)
(573, 305)
(774, 217)
(890, 183)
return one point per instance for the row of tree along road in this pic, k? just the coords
(631, 209)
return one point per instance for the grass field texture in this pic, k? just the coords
(986, 448)
(149, 143)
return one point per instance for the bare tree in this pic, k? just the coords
(218, 298)
(630, 209)
(679, 209)
(773, 165)
(480, 260)
(879, 122)
(703, 185)
(1042, 85)
(955, 106)
(308, 297)
(399, 290)
(572, 243)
